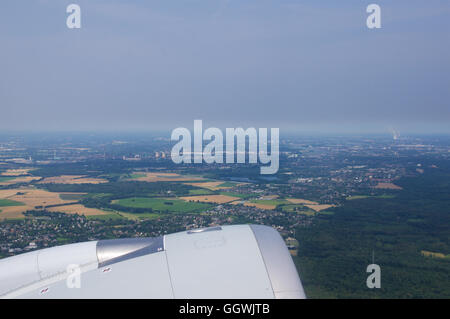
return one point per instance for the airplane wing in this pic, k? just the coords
(239, 261)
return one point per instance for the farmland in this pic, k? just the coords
(8, 202)
(16, 172)
(319, 208)
(387, 186)
(72, 179)
(162, 177)
(257, 205)
(10, 180)
(77, 209)
(15, 202)
(161, 204)
(219, 199)
(216, 185)
(329, 206)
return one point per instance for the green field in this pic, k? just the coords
(112, 216)
(200, 191)
(99, 195)
(8, 202)
(137, 175)
(275, 202)
(228, 184)
(162, 204)
(140, 216)
(243, 196)
(6, 178)
(385, 196)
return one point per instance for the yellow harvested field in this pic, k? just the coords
(33, 198)
(261, 206)
(77, 209)
(269, 197)
(257, 205)
(72, 179)
(219, 199)
(12, 212)
(318, 208)
(7, 193)
(22, 179)
(209, 185)
(164, 177)
(387, 186)
(433, 254)
(301, 201)
(30, 197)
(17, 172)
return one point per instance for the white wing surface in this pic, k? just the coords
(239, 261)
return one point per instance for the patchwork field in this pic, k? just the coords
(72, 196)
(17, 172)
(4, 179)
(369, 196)
(235, 194)
(434, 254)
(78, 209)
(266, 204)
(72, 179)
(260, 205)
(387, 186)
(319, 207)
(162, 177)
(301, 201)
(301, 206)
(268, 197)
(202, 191)
(11, 213)
(30, 198)
(9, 180)
(257, 205)
(219, 199)
(212, 185)
(161, 204)
(9, 202)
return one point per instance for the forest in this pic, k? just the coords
(391, 232)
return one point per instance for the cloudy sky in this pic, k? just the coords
(294, 64)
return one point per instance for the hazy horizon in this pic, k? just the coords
(302, 66)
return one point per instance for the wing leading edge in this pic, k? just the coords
(239, 261)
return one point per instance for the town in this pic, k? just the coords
(59, 190)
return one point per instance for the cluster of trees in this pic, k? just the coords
(124, 189)
(334, 252)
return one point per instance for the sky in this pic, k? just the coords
(293, 64)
